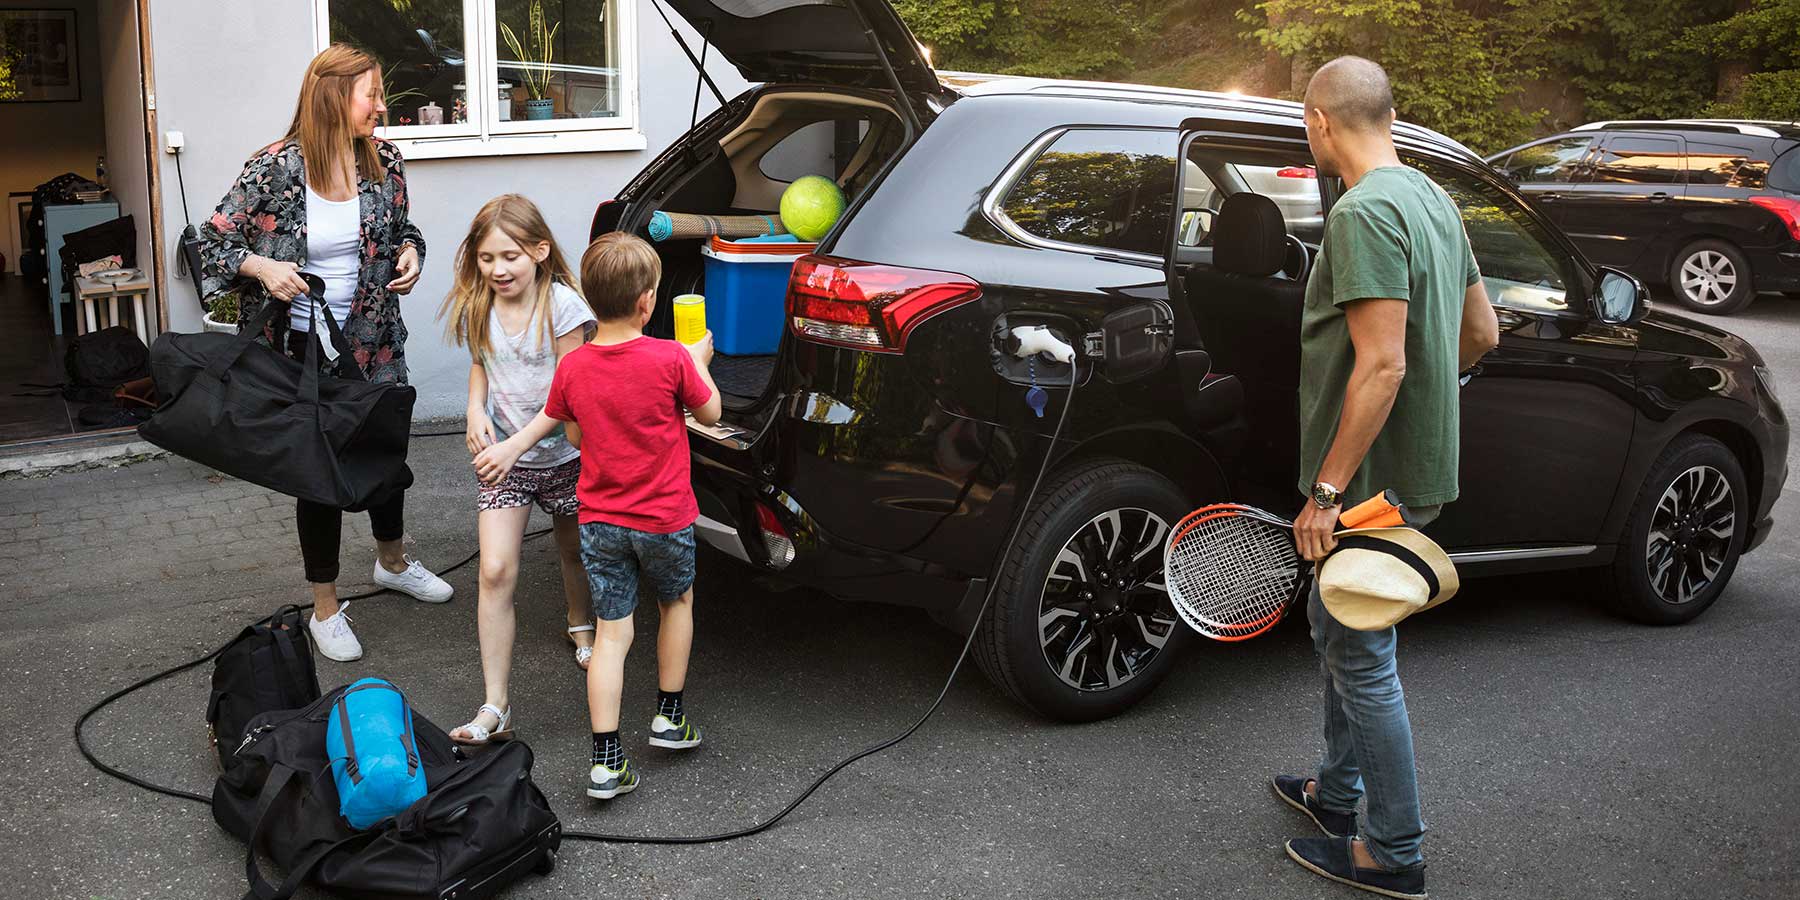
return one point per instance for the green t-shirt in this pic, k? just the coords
(1395, 235)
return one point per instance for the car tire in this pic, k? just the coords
(1711, 277)
(1675, 529)
(1030, 642)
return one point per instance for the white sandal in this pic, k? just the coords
(478, 733)
(582, 654)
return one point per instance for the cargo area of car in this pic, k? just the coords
(848, 137)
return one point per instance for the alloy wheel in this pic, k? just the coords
(1708, 277)
(1690, 534)
(1104, 613)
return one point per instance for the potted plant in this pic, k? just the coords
(221, 314)
(534, 56)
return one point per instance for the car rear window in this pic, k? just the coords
(1784, 174)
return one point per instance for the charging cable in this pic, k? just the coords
(961, 657)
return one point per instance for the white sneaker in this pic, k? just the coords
(416, 580)
(333, 636)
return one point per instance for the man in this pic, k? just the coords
(1395, 310)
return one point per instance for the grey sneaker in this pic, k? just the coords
(673, 734)
(417, 581)
(333, 636)
(605, 783)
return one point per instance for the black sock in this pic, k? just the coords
(668, 703)
(608, 751)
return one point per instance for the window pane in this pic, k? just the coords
(1554, 161)
(558, 59)
(1099, 188)
(418, 43)
(1629, 160)
(1719, 163)
(1517, 263)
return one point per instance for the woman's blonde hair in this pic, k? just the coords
(322, 117)
(465, 311)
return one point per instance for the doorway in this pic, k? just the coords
(80, 232)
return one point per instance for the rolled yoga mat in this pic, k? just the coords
(668, 226)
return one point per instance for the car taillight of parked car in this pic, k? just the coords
(1297, 172)
(1788, 211)
(868, 306)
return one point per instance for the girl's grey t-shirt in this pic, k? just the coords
(519, 368)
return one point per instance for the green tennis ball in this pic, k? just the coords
(810, 206)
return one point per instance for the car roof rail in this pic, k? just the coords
(1751, 127)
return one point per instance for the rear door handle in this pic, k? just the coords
(1548, 196)
(1470, 372)
(1659, 197)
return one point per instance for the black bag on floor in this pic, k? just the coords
(482, 825)
(268, 667)
(253, 413)
(106, 359)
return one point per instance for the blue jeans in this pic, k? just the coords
(1368, 739)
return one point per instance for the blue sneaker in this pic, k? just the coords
(1332, 858)
(674, 734)
(1292, 791)
(605, 783)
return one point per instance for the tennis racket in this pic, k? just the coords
(1232, 570)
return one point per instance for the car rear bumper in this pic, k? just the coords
(1776, 269)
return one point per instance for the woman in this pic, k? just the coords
(329, 198)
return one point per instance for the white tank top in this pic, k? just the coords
(333, 252)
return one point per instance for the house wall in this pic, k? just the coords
(39, 141)
(231, 97)
(122, 86)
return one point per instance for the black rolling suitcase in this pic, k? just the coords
(481, 826)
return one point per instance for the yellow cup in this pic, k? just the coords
(690, 318)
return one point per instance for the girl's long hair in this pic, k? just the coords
(322, 118)
(465, 311)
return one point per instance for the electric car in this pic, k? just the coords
(885, 448)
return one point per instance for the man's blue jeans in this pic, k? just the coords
(1368, 740)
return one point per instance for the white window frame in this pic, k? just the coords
(485, 134)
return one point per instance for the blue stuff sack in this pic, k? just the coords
(374, 759)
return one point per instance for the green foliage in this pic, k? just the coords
(1625, 57)
(1765, 95)
(1053, 38)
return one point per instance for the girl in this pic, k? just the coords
(515, 307)
(329, 198)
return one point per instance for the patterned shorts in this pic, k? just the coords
(553, 489)
(619, 559)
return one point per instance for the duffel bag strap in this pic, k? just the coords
(268, 809)
(246, 336)
(290, 677)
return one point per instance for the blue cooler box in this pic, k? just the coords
(746, 293)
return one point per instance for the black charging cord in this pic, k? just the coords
(962, 657)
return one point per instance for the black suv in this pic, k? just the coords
(1710, 207)
(881, 453)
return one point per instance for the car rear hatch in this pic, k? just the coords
(855, 43)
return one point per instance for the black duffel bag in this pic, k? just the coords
(267, 667)
(482, 825)
(251, 412)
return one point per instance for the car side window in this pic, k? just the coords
(1639, 160)
(1519, 262)
(1551, 161)
(1099, 188)
(1713, 162)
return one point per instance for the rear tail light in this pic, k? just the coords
(1297, 172)
(1788, 211)
(868, 306)
(775, 538)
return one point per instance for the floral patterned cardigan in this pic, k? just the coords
(265, 214)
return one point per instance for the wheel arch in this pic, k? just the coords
(1734, 435)
(1162, 449)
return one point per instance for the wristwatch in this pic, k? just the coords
(1325, 496)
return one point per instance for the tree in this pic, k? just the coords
(1761, 35)
(1050, 38)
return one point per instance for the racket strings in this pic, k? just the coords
(1231, 571)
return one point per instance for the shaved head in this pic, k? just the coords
(1353, 93)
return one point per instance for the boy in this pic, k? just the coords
(637, 505)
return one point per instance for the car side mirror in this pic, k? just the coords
(1619, 298)
(1196, 226)
(1135, 342)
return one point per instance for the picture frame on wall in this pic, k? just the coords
(39, 56)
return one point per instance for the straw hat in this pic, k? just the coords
(1378, 576)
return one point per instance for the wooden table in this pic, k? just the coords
(91, 291)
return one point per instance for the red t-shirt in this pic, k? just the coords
(628, 400)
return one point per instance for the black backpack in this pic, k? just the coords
(97, 363)
(482, 825)
(268, 666)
